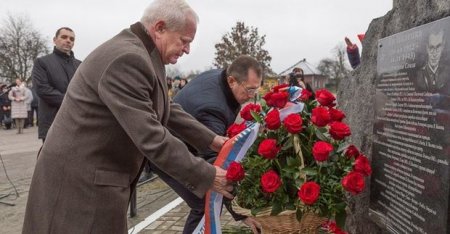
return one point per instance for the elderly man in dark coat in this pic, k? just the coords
(115, 116)
(51, 75)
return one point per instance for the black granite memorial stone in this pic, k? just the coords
(411, 148)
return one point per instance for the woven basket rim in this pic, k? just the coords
(264, 212)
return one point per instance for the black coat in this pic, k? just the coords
(51, 75)
(210, 100)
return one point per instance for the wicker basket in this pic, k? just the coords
(285, 222)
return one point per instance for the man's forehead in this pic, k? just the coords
(436, 38)
(66, 32)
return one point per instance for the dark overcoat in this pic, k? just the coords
(51, 75)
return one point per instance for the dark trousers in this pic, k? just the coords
(196, 204)
(28, 120)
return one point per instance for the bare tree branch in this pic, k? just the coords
(20, 45)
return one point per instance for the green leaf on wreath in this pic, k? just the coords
(309, 171)
(256, 116)
(320, 135)
(276, 208)
(341, 215)
(287, 145)
(299, 214)
(292, 162)
(342, 147)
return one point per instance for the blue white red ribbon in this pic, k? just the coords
(233, 150)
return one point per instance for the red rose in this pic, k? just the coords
(325, 98)
(270, 181)
(339, 130)
(305, 95)
(362, 165)
(235, 129)
(235, 172)
(279, 99)
(320, 116)
(309, 192)
(293, 123)
(272, 119)
(321, 150)
(351, 152)
(280, 87)
(332, 227)
(268, 148)
(336, 115)
(246, 111)
(268, 98)
(353, 182)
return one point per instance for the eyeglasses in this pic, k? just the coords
(250, 91)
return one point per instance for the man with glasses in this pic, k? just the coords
(51, 75)
(214, 98)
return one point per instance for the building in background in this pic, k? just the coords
(312, 75)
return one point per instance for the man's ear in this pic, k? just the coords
(160, 26)
(231, 80)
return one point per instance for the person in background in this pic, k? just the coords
(19, 113)
(28, 101)
(183, 82)
(214, 98)
(298, 74)
(352, 53)
(115, 117)
(4, 101)
(170, 86)
(51, 76)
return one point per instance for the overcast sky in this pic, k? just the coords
(294, 29)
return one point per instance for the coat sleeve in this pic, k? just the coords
(11, 95)
(190, 135)
(126, 88)
(44, 89)
(28, 96)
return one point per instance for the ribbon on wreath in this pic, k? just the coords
(235, 150)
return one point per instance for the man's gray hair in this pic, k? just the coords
(173, 12)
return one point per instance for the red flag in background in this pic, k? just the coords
(361, 37)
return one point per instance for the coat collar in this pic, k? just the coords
(62, 54)
(141, 32)
(231, 100)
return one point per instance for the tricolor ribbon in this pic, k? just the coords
(233, 150)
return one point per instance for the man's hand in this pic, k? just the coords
(221, 184)
(253, 224)
(218, 142)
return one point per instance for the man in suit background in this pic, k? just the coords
(115, 116)
(51, 75)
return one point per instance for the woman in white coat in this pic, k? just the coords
(19, 113)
